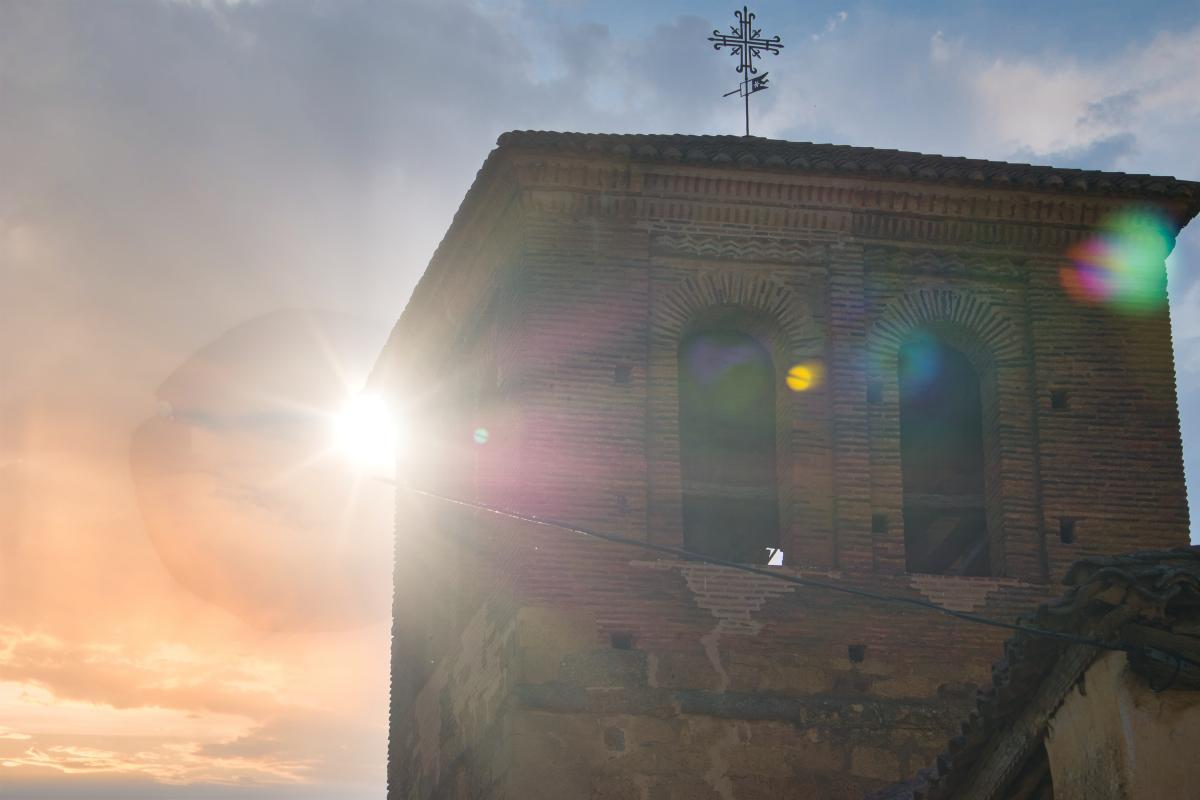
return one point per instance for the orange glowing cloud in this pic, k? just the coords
(169, 713)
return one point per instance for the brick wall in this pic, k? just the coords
(576, 668)
(585, 669)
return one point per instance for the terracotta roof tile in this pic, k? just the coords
(1154, 583)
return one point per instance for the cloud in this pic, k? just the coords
(1051, 106)
(162, 763)
(831, 24)
(126, 675)
(305, 738)
(1105, 153)
(897, 81)
(1115, 109)
(1184, 290)
(167, 712)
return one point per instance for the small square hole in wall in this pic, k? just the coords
(1066, 530)
(1059, 400)
(879, 523)
(621, 641)
(622, 373)
(857, 653)
(874, 392)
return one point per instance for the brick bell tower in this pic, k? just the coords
(925, 376)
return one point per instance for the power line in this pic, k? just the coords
(810, 583)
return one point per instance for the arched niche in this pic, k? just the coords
(979, 330)
(752, 304)
(728, 435)
(942, 458)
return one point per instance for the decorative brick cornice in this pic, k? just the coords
(875, 208)
(725, 248)
(938, 262)
(1023, 236)
(750, 151)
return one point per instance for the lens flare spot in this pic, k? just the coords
(366, 433)
(726, 372)
(481, 436)
(920, 361)
(715, 356)
(805, 376)
(1123, 264)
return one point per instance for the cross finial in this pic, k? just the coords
(746, 41)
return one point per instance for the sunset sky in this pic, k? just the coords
(211, 211)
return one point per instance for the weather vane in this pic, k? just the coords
(746, 42)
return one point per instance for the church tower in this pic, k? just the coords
(931, 378)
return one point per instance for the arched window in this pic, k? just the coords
(727, 445)
(941, 456)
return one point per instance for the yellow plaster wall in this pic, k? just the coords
(1113, 738)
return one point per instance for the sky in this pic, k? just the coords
(190, 189)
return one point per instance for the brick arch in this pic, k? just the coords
(785, 319)
(972, 323)
(992, 340)
(786, 323)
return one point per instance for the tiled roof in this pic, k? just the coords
(753, 151)
(1157, 584)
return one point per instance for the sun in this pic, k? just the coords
(366, 433)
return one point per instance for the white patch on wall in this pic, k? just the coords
(958, 593)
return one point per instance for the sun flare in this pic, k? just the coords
(365, 432)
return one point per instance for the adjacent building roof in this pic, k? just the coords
(1140, 600)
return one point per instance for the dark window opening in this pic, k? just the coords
(1058, 400)
(727, 446)
(941, 456)
(857, 653)
(879, 523)
(621, 641)
(1066, 530)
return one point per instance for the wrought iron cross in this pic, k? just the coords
(747, 42)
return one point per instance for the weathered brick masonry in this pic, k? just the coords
(540, 354)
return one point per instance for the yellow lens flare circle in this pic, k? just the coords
(804, 377)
